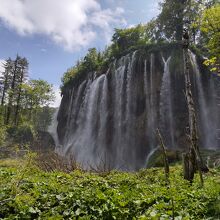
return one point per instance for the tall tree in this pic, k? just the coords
(12, 89)
(124, 39)
(171, 18)
(13, 76)
(21, 75)
(5, 79)
(38, 93)
(177, 14)
(210, 27)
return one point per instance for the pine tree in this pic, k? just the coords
(5, 80)
(15, 75)
(21, 77)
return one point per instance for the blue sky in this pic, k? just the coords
(54, 34)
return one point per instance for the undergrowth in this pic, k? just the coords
(27, 192)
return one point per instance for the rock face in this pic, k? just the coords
(110, 119)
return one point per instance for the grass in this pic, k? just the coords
(27, 192)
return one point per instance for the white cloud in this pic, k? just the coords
(69, 23)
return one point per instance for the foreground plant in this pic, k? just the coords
(118, 195)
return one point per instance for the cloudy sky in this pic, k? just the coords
(53, 34)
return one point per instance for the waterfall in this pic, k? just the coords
(151, 125)
(111, 118)
(52, 129)
(208, 123)
(151, 106)
(166, 111)
(88, 124)
(103, 114)
(129, 111)
(119, 116)
(83, 142)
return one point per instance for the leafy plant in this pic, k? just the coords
(2, 135)
(118, 195)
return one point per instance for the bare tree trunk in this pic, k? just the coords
(192, 160)
(166, 163)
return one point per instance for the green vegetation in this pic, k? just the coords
(27, 191)
(24, 104)
(165, 29)
(93, 61)
(123, 41)
(30, 193)
(211, 30)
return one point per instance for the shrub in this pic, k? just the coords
(50, 161)
(22, 134)
(2, 135)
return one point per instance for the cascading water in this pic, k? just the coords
(83, 142)
(166, 111)
(207, 109)
(149, 88)
(112, 118)
(52, 129)
(87, 131)
(119, 108)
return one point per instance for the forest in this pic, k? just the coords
(136, 133)
(25, 103)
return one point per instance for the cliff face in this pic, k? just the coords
(112, 118)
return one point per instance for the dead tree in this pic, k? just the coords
(165, 159)
(192, 160)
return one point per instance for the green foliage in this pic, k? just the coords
(178, 14)
(93, 61)
(2, 135)
(211, 29)
(171, 18)
(70, 74)
(22, 134)
(38, 93)
(22, 100)
(123, 41)
(156, 160)
(29, 193)
(43, 118)
(12, 79)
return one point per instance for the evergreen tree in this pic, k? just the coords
(18, 74)
(5, 80)
(21, 77)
